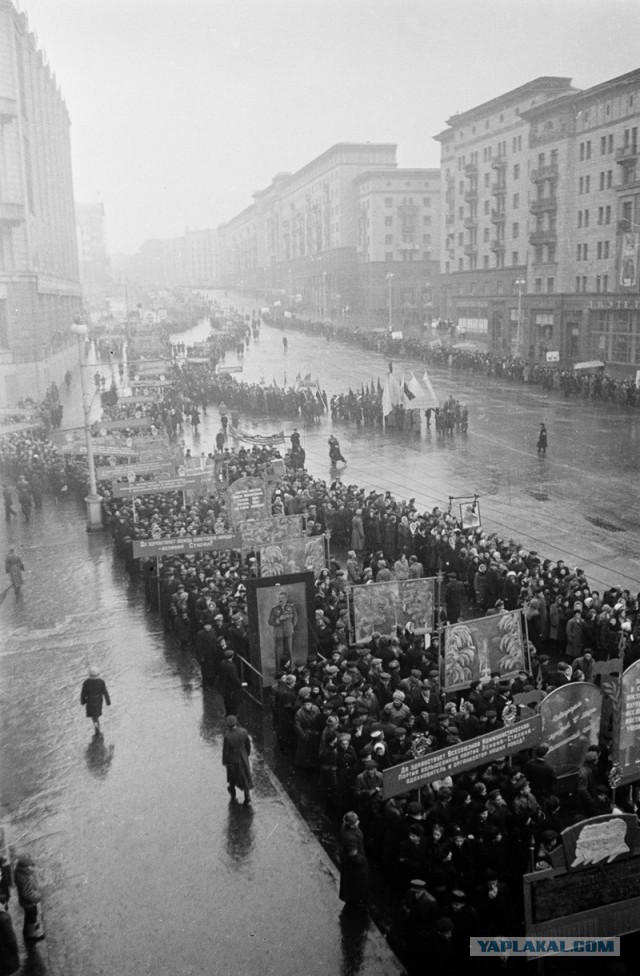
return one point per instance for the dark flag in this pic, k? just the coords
(379, 386)
(391, 365)
(407, 392)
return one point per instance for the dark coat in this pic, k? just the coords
(93, 692)
(353, 867)
(236, 749)
(9, 955)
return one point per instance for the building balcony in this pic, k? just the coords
(471, 169)
(11, 213)
(408, 246)
(543, 237)
(471, 196)
(544, 173)
(8, 110)
(470, 223)
(498, 216)
(627, 153)
(498, 188)
(631, 186)
(470, 249)
(543, 204)
(499, 163)
(497, 244)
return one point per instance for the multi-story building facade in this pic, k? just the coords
(40, 291)
(92, 254)
(559, 277)
(186, 261)
(399, 240)
(304, 235)
(485, 184)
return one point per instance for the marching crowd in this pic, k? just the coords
(454, 851)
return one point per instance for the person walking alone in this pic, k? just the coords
(7, 497)
(236, 749)
(542, 440)
(94, 691)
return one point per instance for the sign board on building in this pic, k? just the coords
(462, 756)
(553, 356)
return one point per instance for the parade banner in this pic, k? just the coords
(157, 487)
(151, 384)
(628, 250)
(271, 532)
(99, 450)
(456, 759)
(383, 607)
(228, 369)
(127, 423)
(19, 428)
(198, 360)
(247, 500)
(122, 472)
(179, 545)
(259, 440)
(570, 724)
(137, 399)
(294, 556)
(281, 615)
(473, 650)
(627, 739)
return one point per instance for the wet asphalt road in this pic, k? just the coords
(580, 503)
(146, 866)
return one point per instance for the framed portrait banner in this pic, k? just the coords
(383, 607)
(281, 615)
(294, 556)
(476, 648)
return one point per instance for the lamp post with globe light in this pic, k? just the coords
(389, 277)
(521, 283)
(93, 499)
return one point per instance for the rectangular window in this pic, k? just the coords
(389, 256)
(586, 216)
(584, 282)
(515, 230)
(581, 152)
(516, 201)
(427, 201)
(578, 252)
(514, 258)
(487, 206)
(609, 179)
(607, 214)
(610, 143)
(597, 282)
(388, 239)
(579, 218)
(516, 171)
(587, 184)
(603, 145)
(426, 221)
(538, 286)
(487, 177)
(581, 185)
(461, 187)
(551, 285)
(585, 252)
(460, 213)
(602, 177)
(485, 261)
(460, 264)
(605, 282)
(605, 249)
(600, 214)
(426, 238)
(388, 221)
(388, 201)
(588, 154)
(577, 282)
(460, 238)
(486, 234)
(599, 250)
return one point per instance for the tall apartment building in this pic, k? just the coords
(186, 261)
(541, 226)
(304, 234)
(40, 292)
(92, 253)
(399, 239)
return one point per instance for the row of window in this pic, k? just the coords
(606, 143)
(602, 251)
(426, 238)
(408, 256)
(606, 181)
(426, 220)
(406, 202)
(601, 283)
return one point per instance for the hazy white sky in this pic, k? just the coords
(181, 109)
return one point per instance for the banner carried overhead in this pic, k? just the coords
(570, 724)
(383, 607)
(419, 393)
(627, 738)
(476, 649)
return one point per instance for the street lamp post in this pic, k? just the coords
(521, 283)
(93, 499)
(390, 283)
(324, 294)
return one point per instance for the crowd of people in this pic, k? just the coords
(586, 383)
(453, 852)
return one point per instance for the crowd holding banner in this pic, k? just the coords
(486, 776)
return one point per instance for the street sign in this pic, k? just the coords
(182, 544)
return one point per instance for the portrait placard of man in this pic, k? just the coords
(283, 618)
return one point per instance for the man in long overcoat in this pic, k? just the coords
(94, 691)
(353, 863)
(236, 749)
(283, 618)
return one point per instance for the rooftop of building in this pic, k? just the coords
(398, 174)
(365, 148)
(545, 84)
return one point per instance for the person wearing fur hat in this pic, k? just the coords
(93, 693)
(236, 749)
